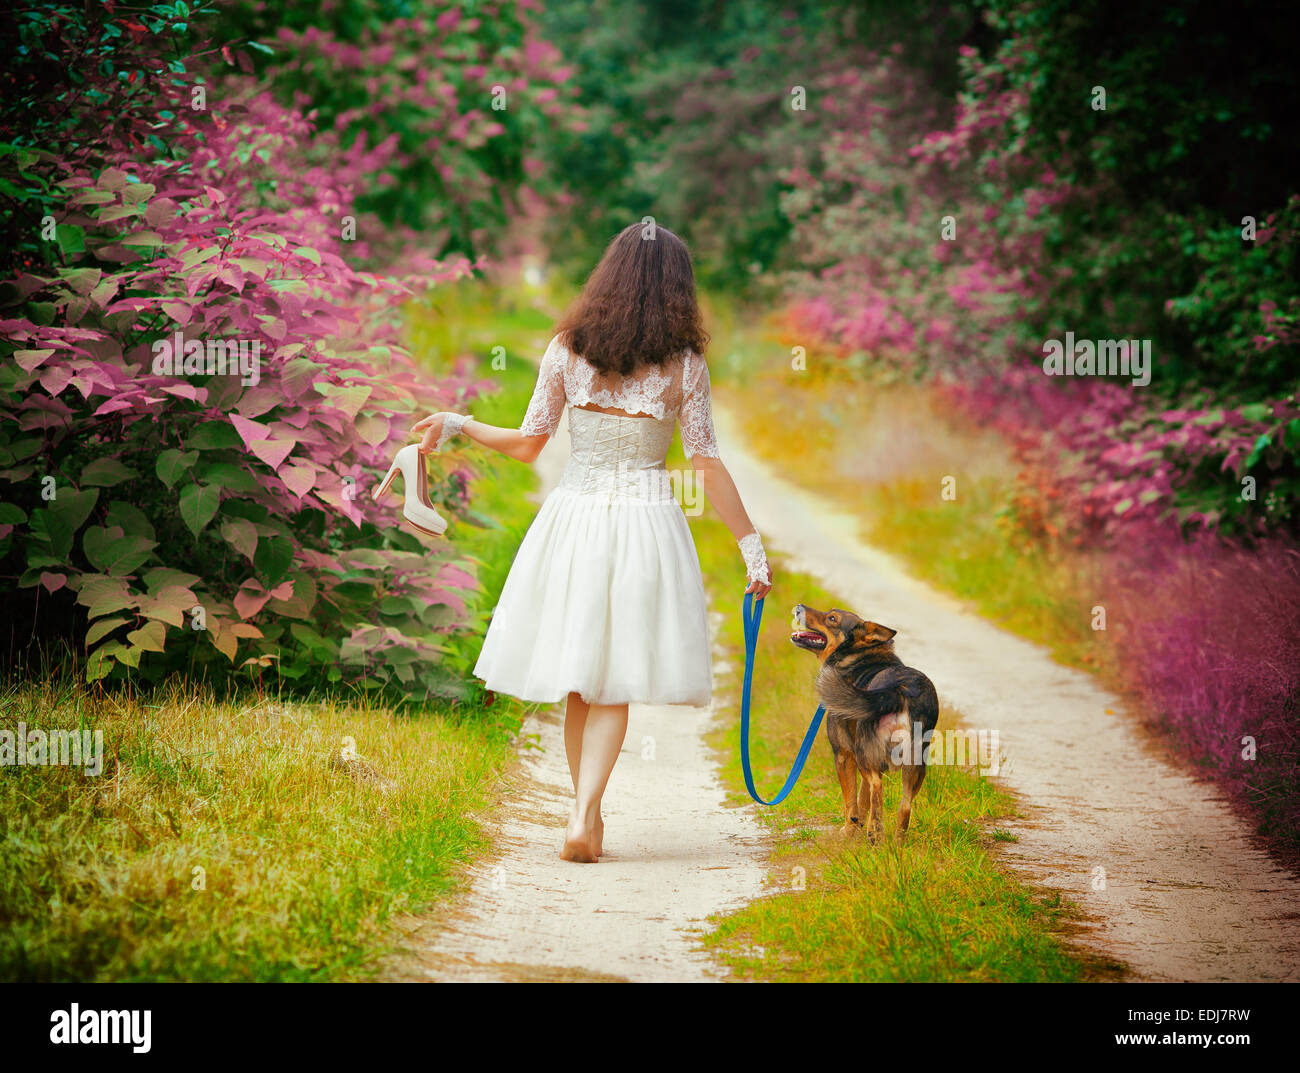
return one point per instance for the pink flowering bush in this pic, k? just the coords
(201, 514)
(1189, 486)
(398, 87)
(1217, 656)
(938, 245)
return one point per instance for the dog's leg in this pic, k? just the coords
(874, 820)
(847, 769)
(864, 801)
(913, 776)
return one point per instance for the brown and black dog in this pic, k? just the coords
(877, 711)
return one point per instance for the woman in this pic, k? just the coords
(604, 604)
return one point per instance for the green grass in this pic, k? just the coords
(227, 839)
(940, 907)
(221, 843)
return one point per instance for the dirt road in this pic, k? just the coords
(674, 855)
(1170, 878)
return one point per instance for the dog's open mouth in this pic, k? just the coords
(802, 635)
(813, 639)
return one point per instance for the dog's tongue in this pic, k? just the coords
(808, 635)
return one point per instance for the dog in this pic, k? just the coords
(874, 704)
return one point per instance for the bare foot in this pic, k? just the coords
(579, 851)
(578, 843)
(598, 836)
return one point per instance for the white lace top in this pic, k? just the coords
(679, 387)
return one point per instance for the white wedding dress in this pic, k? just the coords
(605, 596)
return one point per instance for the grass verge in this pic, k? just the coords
(231, 840)
(938, 908)
(255, 838)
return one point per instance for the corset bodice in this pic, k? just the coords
(618, 456)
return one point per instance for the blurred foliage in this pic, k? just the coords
(1198, 132)
(452, 101)
(690, 120)
(690, 117)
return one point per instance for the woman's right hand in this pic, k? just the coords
(759, 588)
(431, 428)
(438, 429)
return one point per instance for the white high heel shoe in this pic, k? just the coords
(417, 510)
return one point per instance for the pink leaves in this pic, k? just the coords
(259, 441)
(179, 310)
(274, 327)
(272, 452)
(31, 359)
(252, 596)
(235, 234)
(299, 478)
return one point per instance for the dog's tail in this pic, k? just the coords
(878, 702)
(895, 690)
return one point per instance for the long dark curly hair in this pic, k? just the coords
(638, 306)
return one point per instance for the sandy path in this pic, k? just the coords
(1187, 894)
(675, 854)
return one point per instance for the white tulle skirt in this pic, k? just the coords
(605, 599)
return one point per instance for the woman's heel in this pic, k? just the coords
(578, 851)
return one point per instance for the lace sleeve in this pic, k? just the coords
(698, 437)
(547, 403)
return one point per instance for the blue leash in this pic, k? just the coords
(752, 615)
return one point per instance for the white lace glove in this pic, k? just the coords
(452, 425)
(756, 568)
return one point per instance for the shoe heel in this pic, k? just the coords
(386, 484)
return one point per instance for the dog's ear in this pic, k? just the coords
(876, 633)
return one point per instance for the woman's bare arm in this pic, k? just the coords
(509, 441)
(721, 491)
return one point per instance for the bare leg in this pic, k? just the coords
(602, 738)
(575, 722)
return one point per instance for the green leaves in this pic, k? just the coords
(172, 464)
(102, 595)
(70, 238)
(212, 436)
(273, 558)
(106, 472)
(198, 504)
(103, 627)
(112, 552)
(58, 523)
(229, 476)
(148, 638)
